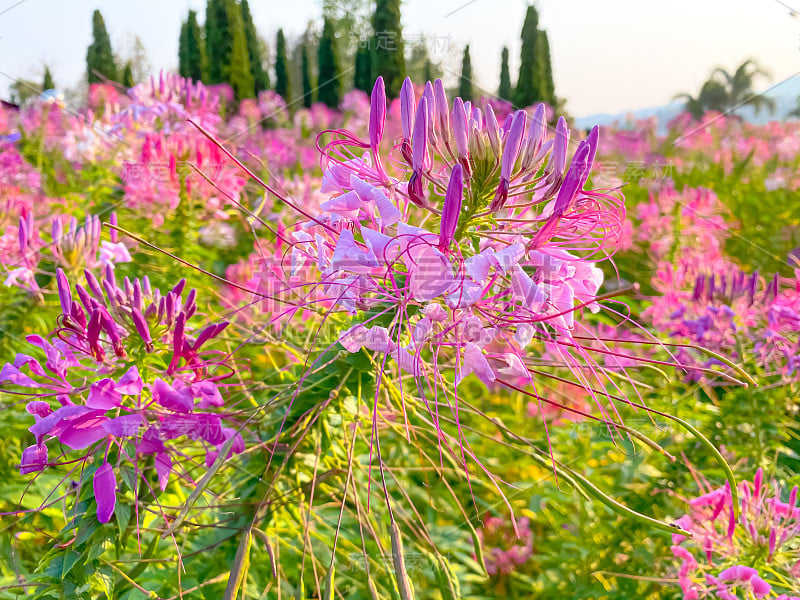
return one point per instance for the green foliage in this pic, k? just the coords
(255, 55)
(505, 90)
(465, 79)
(362, 80)
(329, 88)
(127, 76)
(192, 61)
(529, 84)
(99, 57)
(545, 68)
(308, 89)
(239, 71)
(219, 41)
(283, 82)
(47, 82)
(388, 49)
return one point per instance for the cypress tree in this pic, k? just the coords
(218, 39)
(127, 76)
(196, 64)
(329, 84)
(183, 53)
(308, 90)
(283, 83)
(99, 58)
(238, 71)
(363, 70)
(388, 49)
(545, 69)
(465, 81)
(429, 74)
(528, 83)
(260, 77)
(48, 84)
(505, 78)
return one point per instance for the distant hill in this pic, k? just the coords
(785, 95)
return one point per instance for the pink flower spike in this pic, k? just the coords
(757, 482)
(452, 207)
(105, 492)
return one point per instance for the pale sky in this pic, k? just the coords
(607, 55)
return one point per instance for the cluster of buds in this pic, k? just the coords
(105, 368)
(754, 555)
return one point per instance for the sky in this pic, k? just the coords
(608, 56)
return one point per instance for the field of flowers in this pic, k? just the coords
(412, 348)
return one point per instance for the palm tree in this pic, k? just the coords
(740, 86)
(712, 96)
(723, 92)
(796, 111)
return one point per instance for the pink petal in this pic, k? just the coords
(177, 400)
(102, 395)
(130, 383)
(105, 492)
(124, 426)
(163, 464)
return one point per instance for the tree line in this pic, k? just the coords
(226, 48)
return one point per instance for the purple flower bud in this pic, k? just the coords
(84, 296)
(64, 294)
(698, 288)
(209, 332)
(757, 481)
(420, 158)
(93, 334)
(141, 327)
(178, 289)
(535, 137)
(513, 142)
(452, 207)
(572, 182)
(428, 95)
(377, 113)
(178, 334)
(57, 231)
(442, 110)
(558, 159)
(492, 129)
(113, 221)
(137, 295)
(500, 196)
(416, 190)
(407, 107)
(460, 127)
(23, 234)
